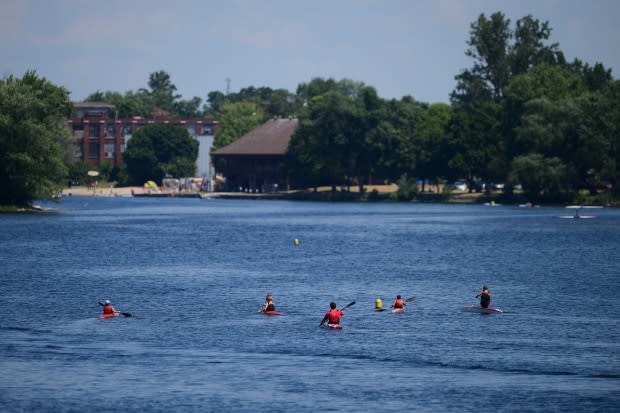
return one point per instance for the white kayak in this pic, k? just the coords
(398, 310)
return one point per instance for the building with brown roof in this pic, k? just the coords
(255, 162)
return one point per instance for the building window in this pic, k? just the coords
(108, 151)
(111, 130)
(93, 150)
(93, 131)
(207, 130)
(127, 129)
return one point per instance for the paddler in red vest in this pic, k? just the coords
(333, 315)
(269, 305)
(485, 297)
(398, 303)
(108, 309)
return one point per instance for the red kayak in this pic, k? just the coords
(111, 315)
(272, 312)
(482, 310)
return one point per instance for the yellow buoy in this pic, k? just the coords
(295, 242)
(378, 304)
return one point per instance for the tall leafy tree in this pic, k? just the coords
(34, 138)
(162, 91)
(489, 44)
(188, 108)
(235, 120)
(319, 146)
(538, 174)
(529, 48)
(433, 138)
(157, 151)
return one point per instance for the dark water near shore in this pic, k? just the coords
(194, 272)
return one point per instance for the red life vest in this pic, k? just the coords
(333, 316)
(399, 303)
(108, 309)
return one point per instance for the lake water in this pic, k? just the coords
(194, 273)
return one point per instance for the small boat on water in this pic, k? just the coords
(577, 215)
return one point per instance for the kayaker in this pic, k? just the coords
(485, 297)
(398, 303)
(108, 309)
(269, 305)
(333, 315)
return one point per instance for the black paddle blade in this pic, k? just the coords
(348, 305)
(126, 314)
(410, 299)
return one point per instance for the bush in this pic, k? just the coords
(407, 188)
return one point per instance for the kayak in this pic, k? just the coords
(334, 326)
(398, 310)
(109, 315)
(271, 312)
(481, 310)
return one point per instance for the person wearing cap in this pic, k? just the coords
(108, 309)
(398, 303)
(485, 297)
(333, 315)
(269, 305)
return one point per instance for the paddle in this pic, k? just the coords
(119, 312)
(346, 306)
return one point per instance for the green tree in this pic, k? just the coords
(34, 138)
(538, 174)
(188, 108)
(162, 91)
(215, 100)
(433, 127)
(127, 105)
(318, 146)
(156, 151)
(235, 120)
(474, 145)
(78, 172)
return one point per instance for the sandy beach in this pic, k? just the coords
(100, 191)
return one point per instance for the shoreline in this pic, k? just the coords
(383, 192)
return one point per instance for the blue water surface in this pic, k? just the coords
(193, 274)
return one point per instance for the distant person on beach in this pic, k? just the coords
(398, 303)
(485, 297)
(333, 315)
(269, 305)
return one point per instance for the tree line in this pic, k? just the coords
(521, 114)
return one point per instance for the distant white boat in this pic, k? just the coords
(577, 215)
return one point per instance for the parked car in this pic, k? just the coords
(460, 185)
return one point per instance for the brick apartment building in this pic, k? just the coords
(100, 135)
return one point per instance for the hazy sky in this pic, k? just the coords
(400, 47)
